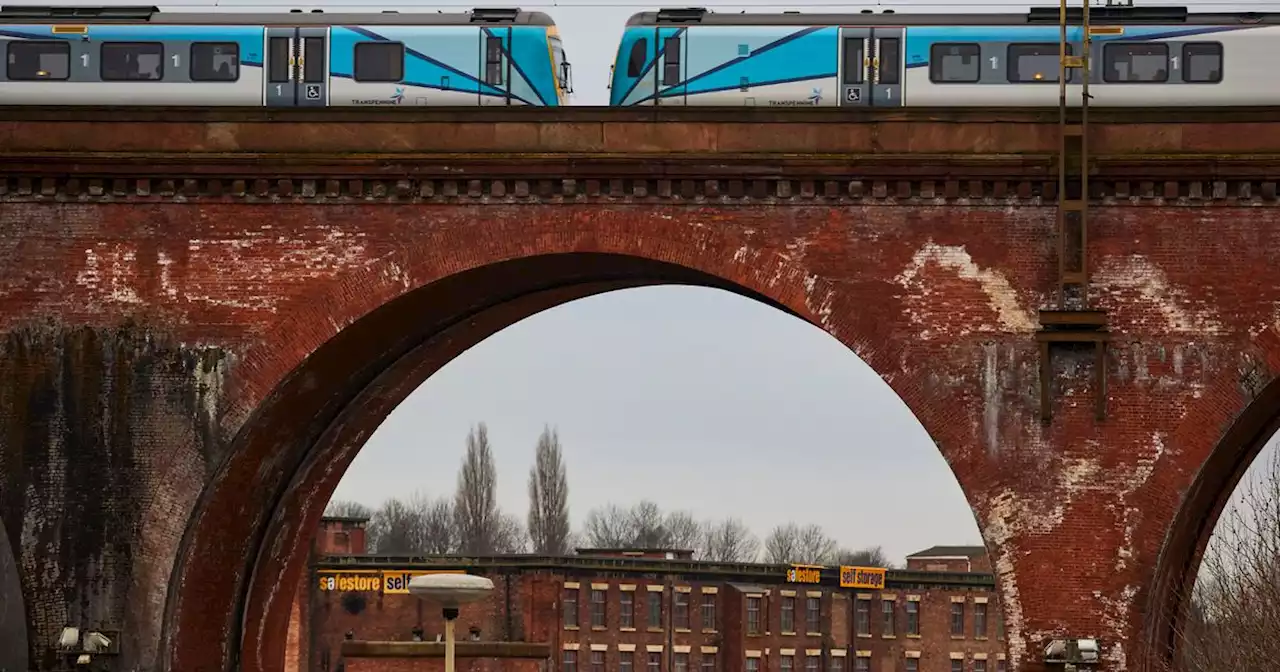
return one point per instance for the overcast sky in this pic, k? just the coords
(694, 398)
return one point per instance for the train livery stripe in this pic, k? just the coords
(808, 54)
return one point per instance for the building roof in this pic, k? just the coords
(951, 552)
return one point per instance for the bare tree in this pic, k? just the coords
(439, 531)
(867, 557)
(475, 504)
(395, 528)
(608, 526)
(728, 541)
(1234, 613)
(549, 498)
(683, 532)
(510, 535)
(348, 509)
(648, 526)
(791, 543)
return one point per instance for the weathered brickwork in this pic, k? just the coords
(195, 349)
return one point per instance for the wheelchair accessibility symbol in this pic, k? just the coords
(853, 95)
(313, 92)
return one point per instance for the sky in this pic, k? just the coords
(694, 398)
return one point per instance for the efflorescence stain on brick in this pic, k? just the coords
(184, 383)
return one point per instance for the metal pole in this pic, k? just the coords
(449, 620)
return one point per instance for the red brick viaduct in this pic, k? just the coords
(205, 314)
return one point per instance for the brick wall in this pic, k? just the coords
(556, 608)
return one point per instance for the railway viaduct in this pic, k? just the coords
(203, 315)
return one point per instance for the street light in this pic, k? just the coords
(451, 591)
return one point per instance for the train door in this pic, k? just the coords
(669, 69)
(495, 63)
(870, 67)
(297, 67)
(855, 65)
(886, 67)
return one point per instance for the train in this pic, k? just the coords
(141, 56)
(282, 57)
(1139, 57)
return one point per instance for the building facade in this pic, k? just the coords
(658, 611)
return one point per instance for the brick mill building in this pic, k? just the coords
(658, 611)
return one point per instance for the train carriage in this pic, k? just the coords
(1138, 57)
(143, 56)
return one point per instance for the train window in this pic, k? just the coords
(855, 54)
(951, 63)
(1034, 63)
(493, 61)
(313, 59)
(379, 62)
(1135, 62)
(132, 61)
(1202, 62)
(635, 63)
(670, 61)
(215, 62)
(890, 61)
(34, 60)
(278, 60)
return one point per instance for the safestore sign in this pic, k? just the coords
(805, 574)
(862, 577)
(387, 581)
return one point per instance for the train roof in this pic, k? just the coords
(205, 15)
(1036, 16)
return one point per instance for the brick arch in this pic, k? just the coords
(1211, 489)
(309, 399)
(13, 613)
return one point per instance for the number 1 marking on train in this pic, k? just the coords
(995, 62)
(84, 58)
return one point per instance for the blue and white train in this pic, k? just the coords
(1139, 56)
(106, 56)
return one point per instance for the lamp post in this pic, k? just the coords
(451, 591)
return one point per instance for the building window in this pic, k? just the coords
(570, 662)
(913, 665)
(788, 615)
(708, 611)
(753, 665)
(979, 666)
(862, 617)
(913, 618)
(810, 664)
(681, 614)
(813, 615)
(597, 608)
(627, 610)
(861, 665)
(708, 662)
(889, 610)
(626, 661)
(980, 620)
(655, 610)
(787, 662)
(753, 617)
(957, 619)
(957, 665)
(570, 607)
(836, 664)
(597, 661)
(682, 662)
(1000, 625)
(655, 661)
(1002, 666)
